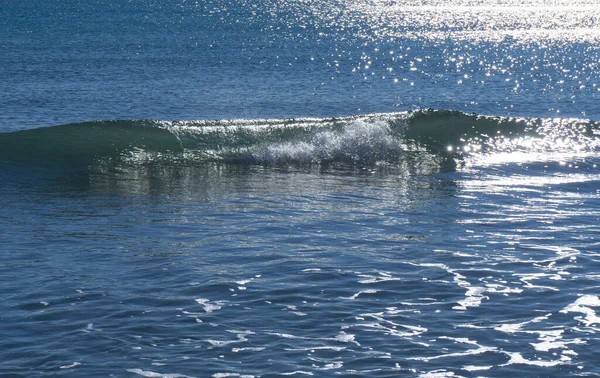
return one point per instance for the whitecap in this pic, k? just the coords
(345, 337)
(536, 276)
(152, 374)
(480, 350)
(548, 345)
(219, 343)
(368, 291)
(297, 372)
(476, 368)
(516, 358)
(392, 331)
(581, 306)
(474, 297)
(438, 374)
(333, 365)
(461, 340)
(336, 349)
(249, 349)
(501, 289)
(245, 282)
(517, 327)
(371, 279)
(74, 364)
(209, 307)
(285, 335)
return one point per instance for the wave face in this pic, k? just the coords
(429, 137)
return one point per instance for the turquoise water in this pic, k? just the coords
(290, 188)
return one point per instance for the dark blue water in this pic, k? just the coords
(290, 188)
(73, 62)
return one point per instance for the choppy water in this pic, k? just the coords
(254, 189)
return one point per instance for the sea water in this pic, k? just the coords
(274, 188)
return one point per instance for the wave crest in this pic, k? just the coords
(374, 139)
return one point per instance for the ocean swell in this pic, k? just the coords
(368, 140)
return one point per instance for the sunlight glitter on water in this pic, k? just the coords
(492, 21)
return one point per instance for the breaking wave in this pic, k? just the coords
(443, 138)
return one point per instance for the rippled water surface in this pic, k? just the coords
(255, 189)
(256, 271)
(75, 62)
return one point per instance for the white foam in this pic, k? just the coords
(509, 328)
(476, 368)
(371, 279)
(245, 282)
(297, 372)
(550, 340)
(285, 335)
(548, 345)
(89, 328)
(325, 347)
(461, 340)
(241, 337)
(517, 359)
(209, 307)
(582, 305)
(152, 374)
(324, 363)
(368, 291)
(393, 326)
(536, 276)
(501, 289)
(517, 327)
(249, 349)
(74, 364)
(438, 374)
(479, 350)
(345, 337)
(392, 329)
(474, 297)
(588, 300)
(357, 141)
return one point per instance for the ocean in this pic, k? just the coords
(354, 188)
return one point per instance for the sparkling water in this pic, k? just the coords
(274, 188)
